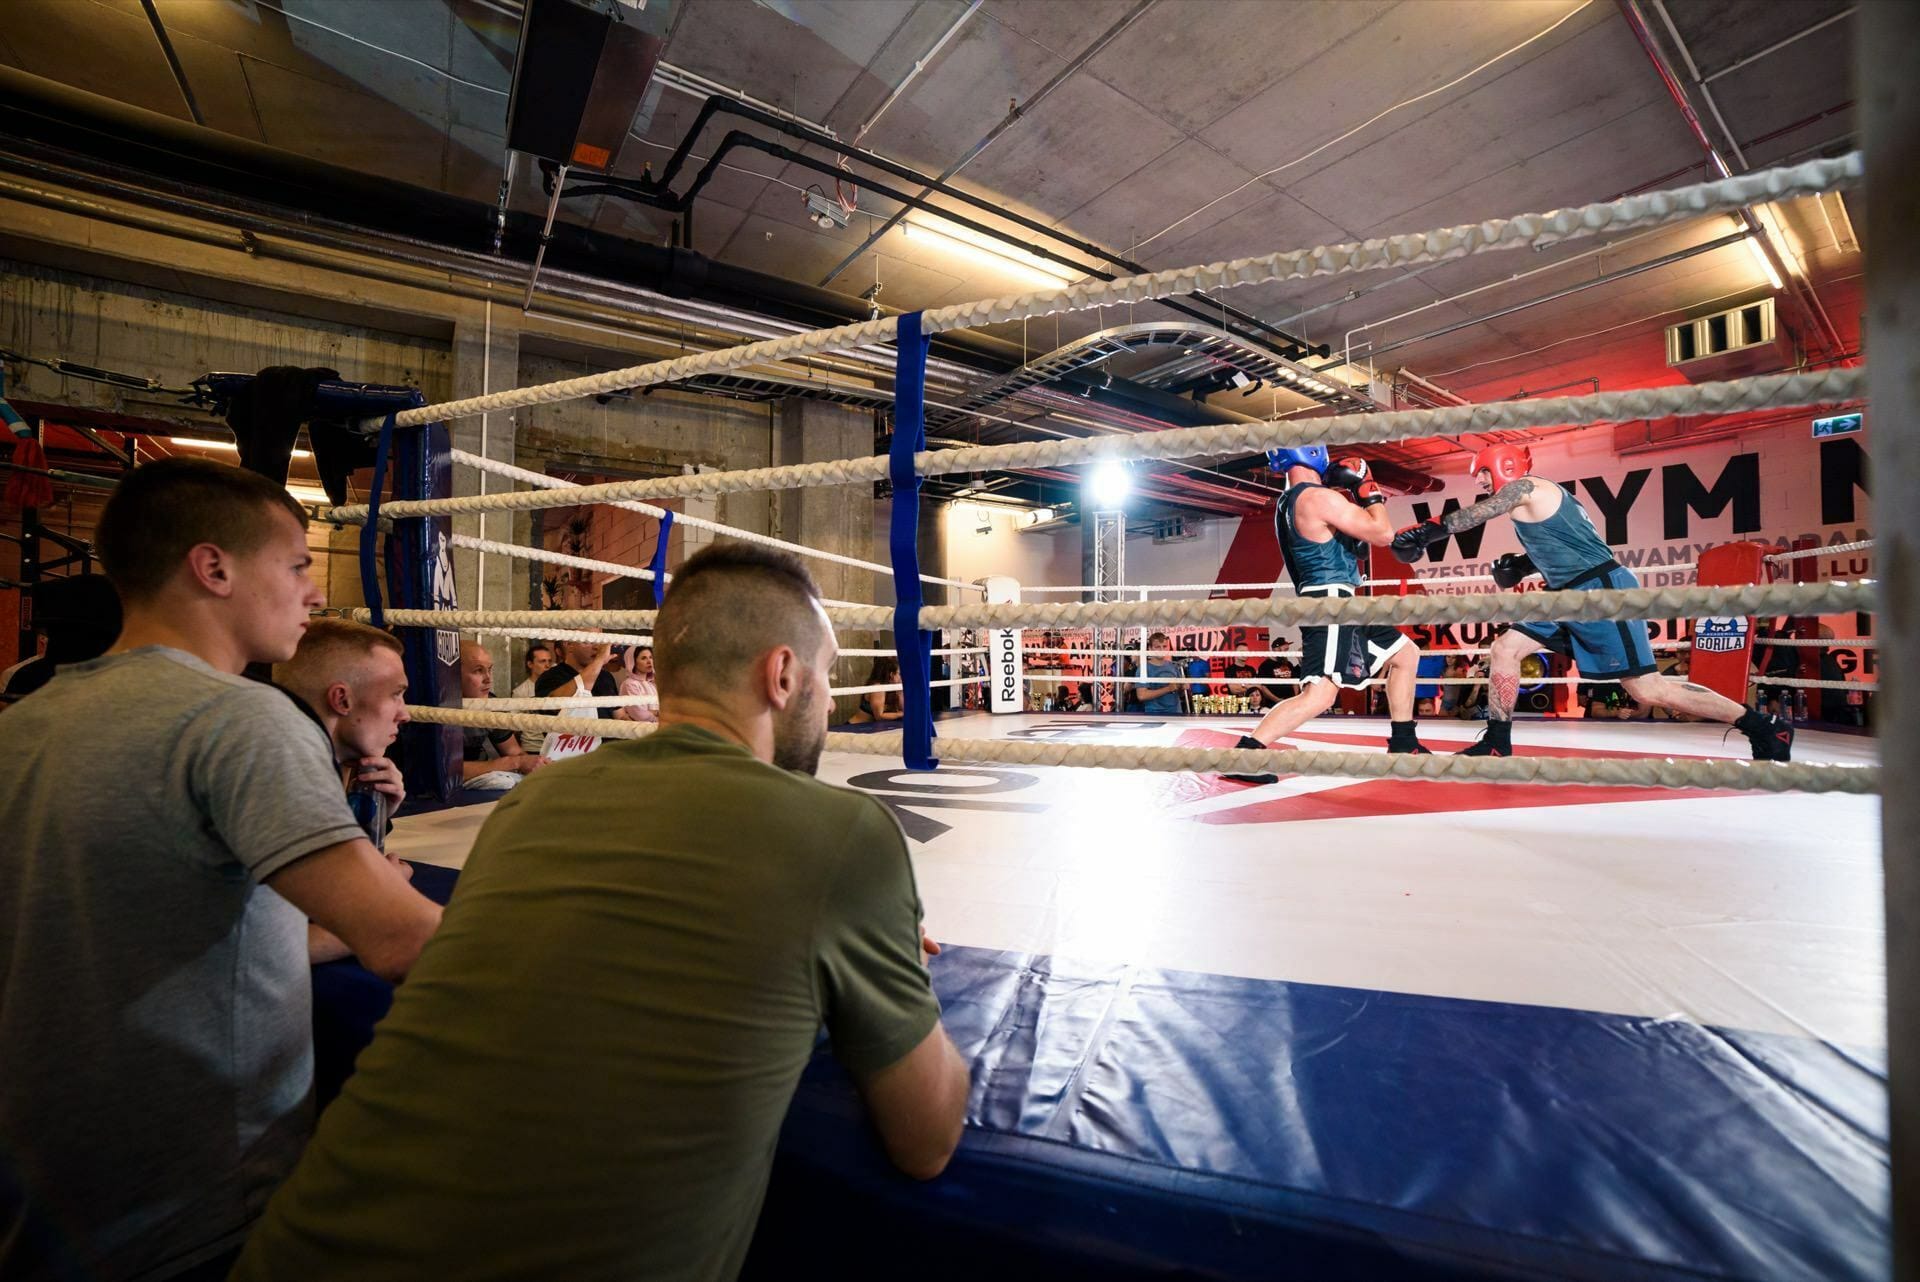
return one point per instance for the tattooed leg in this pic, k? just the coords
(1688, 698)
(1502, 693)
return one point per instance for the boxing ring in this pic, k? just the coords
(1611, 1007)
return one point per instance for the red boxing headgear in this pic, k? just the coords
(1506, 462)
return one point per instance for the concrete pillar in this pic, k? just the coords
(486, 358)
(832, 518)
(1890, 114)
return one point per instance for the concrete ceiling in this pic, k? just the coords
(1200, 131)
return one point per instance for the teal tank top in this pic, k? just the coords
(1311, 564)
(1565, 545)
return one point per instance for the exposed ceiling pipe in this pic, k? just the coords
(134, 156)
(1015, 110)
(660, 189)
(1778, 45)
(1558, 265)
(920, 64)
(1667, 178)
(546, 238)
(173, 61)
(1665, 260)
(1802, 294)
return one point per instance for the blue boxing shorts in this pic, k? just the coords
(1604, 651)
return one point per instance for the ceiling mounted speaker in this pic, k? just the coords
(578, 78)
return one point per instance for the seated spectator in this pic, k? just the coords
(589, 1079)
(1161, 695)
(879, 705)
(1070, 699)
(1427, 693)
(352, 680)
(78, 617)
(156, 1054)
(1449, 700)
(1473, 698)
(582, 673)
(539, 659)
(1272, 668)
(491, 759)
(1240, 670)
(639, 682)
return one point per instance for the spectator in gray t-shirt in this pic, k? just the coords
(170, 828)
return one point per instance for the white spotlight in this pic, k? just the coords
(1109, 484)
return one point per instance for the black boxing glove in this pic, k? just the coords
(1346, 473)
(1411, 543)
(1510, 568)
(1352, 475)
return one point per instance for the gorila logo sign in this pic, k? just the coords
(1719, 635)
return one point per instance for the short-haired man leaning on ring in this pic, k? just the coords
(586, 1075)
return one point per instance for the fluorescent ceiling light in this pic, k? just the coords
(227, 447)
(964, 242)
(309, 494)
(1760, 257)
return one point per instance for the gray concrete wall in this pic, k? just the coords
(175, 335)
(175, 338)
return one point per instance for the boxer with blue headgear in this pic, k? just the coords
(1307, 456)
(1323, 526)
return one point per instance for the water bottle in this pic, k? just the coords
(371, 809)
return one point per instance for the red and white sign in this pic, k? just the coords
(561, 746)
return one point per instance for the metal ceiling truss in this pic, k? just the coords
(1195, 350)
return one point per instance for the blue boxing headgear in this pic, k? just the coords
(1313, 456)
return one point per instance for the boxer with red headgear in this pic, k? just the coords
(1561, 545)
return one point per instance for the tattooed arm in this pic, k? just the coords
(1506, 499)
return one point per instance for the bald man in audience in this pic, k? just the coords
(488, 752)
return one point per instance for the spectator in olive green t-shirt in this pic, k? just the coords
(586, 1073)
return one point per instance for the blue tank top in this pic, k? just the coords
(1311, 564)
(1565, 545)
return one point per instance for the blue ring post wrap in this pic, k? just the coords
(659, 563)
(370, 532)
(910, 643)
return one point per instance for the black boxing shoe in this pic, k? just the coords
(1497, 741)
(1404, 740)
(1248, 741)
(1771, 737)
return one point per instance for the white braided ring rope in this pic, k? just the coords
(518, 552)
(563, 701)
(1269, 586)
(1807, 683)
(551, 558)
(1813, 643)
(1641, 772)
(1816, 387)
(1645, 210)
(1802, 554)
(542, 634)
(542, 481)
(1607, 605)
